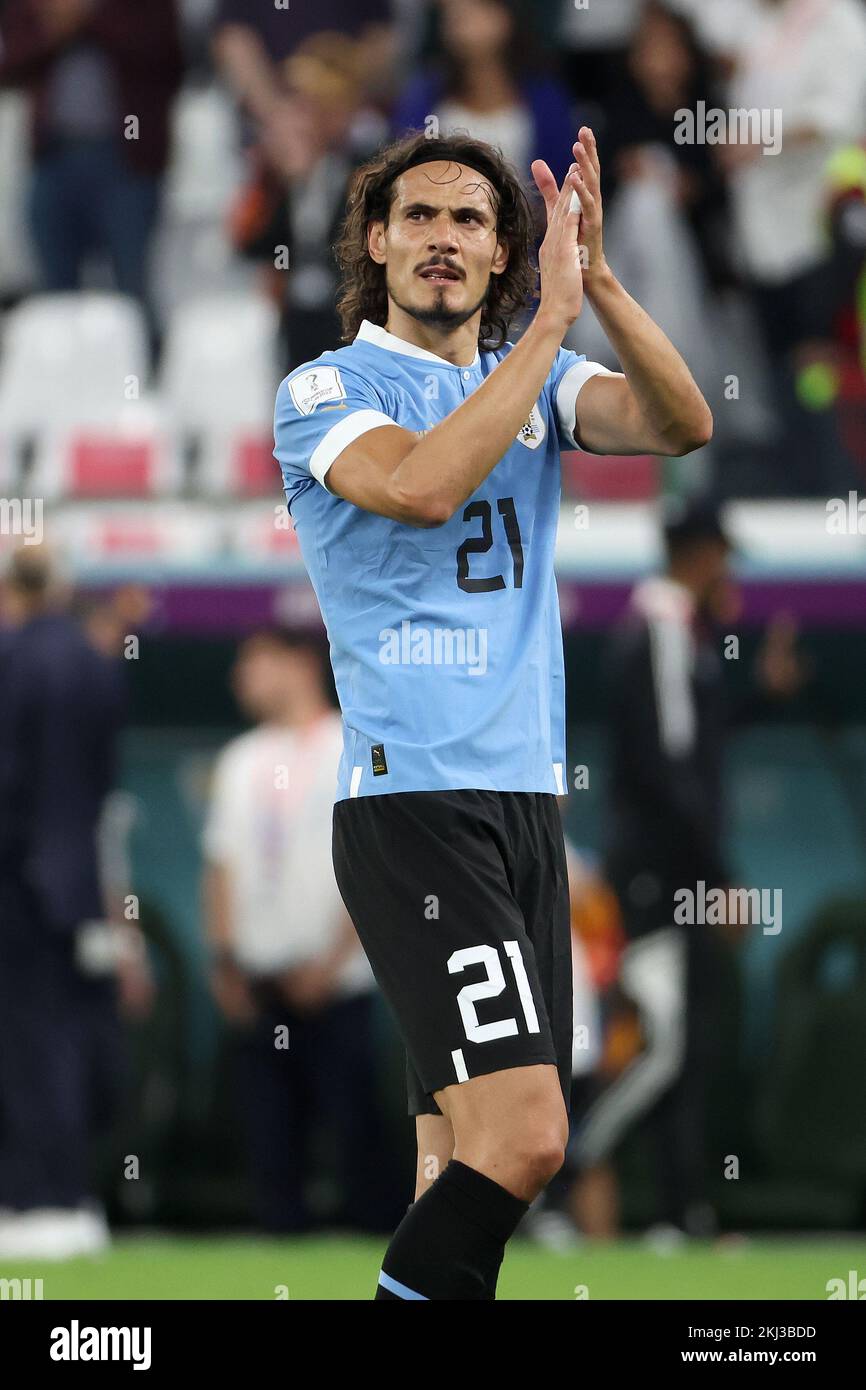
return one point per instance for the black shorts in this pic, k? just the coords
(460, 900)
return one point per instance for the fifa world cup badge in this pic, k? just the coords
(533, 431)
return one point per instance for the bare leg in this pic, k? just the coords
(435, 1149)
(509, 1134)
(594, 1202)
(511, 1126)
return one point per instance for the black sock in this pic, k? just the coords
(451, 1241)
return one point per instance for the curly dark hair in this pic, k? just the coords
(363, 294)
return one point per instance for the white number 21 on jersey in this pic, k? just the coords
(488, 956)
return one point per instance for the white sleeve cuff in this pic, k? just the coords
(568, 391)
(341, 436)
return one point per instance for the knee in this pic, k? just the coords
(539, 1153)
(518, 1137)
(522, 1159)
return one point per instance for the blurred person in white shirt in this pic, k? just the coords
(288, 971)
(805, 59)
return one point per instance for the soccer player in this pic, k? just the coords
(421, 465)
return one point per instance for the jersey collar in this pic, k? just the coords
(372, 333)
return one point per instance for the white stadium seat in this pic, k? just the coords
(193, 254)
(71, 358)
(219, 378)
(73, 382)
(207, 163)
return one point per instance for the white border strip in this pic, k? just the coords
(341, 436)
(570, 388)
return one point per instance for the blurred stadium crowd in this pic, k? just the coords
(172, 178)
(216, 212)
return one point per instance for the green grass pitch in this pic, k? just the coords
(174, 1267)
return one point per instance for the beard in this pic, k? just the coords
(437, 315)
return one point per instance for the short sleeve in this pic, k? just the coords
(321, 409)
(569, 375)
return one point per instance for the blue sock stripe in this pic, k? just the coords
(393, 1286)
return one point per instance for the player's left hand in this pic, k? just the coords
(586, 200)
(589, 233)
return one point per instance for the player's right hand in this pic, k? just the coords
(559, 256)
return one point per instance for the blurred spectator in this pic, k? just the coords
(101, 76)
(668, 714)
(715, 25)
(289, 974)
(197, 19)
(61, 706)
(289, 213)
(252, 39)
(610, 1042)
(666, 227)
(489, 79)
(109, 620)
(665, 72)
(836, 378)
(807, 60)
(604, 1041)
(412, 19)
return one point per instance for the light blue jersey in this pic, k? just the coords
(445, 642)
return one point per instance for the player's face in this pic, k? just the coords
(440, 245)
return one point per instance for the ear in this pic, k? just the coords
(376, 242)
(500, 258)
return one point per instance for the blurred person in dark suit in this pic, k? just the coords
(101, 76)
(288, 971)
(61, 709)
(669, 715)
